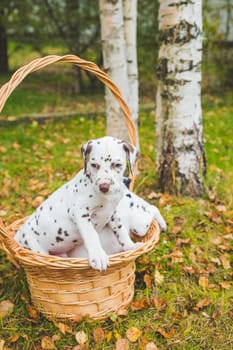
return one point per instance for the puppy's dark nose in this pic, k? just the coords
(104, 187)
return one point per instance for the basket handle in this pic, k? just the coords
(39, 63)
(36, 65)
(42, 62)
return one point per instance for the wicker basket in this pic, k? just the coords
(67, 287)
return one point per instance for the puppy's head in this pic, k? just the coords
(105, 161)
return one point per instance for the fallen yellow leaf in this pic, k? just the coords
(203, 282)
(13, 338)
(47, 343)
(133, 334)
(109, 336)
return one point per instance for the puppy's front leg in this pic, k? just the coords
(122, 234)
(97, 257)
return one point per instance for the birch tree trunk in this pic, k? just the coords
(180, 147)
(130, 31)
(117, 60)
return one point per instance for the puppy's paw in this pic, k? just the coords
(99, 260)
(160, 220)
(133, 246)
(162, 223)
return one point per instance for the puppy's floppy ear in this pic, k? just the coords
(131, 154)
(86, 150)
(126, 181)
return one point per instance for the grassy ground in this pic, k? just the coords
(183, 291)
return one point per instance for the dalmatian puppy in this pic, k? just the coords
(77, 211)
(136, 215)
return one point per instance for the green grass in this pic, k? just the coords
(40, 155)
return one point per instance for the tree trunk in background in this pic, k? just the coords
(180, 150)
(130, 31)
(3, 51)
(115, 63)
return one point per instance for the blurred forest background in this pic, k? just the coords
(30, 29)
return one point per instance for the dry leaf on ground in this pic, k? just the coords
(47, 343)
(133, 333)
(81, 337)
(158, 277)
(221, 208)
(148, 280)
(140, 304)
(176, 230)
(151, 346)
(203, 282)
(98, 334)
(165, 199)
(6, 307)
(153, 195)
(2, 342)
(32, 312)
(159, 303)
(166, 334)
(13, 338)
(224, 258)
(122, 344)
(203, 303)
(64, 328)
(225, 285)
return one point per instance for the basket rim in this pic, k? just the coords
(31, 258)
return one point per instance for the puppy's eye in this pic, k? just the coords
(95, 166)
(116, 165)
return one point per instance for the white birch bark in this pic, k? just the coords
(114, 57)
(180, 150)
(119, 57)
(130, 30)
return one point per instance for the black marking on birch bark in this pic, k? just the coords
(166, 75)
(114, 2)
(181, 3)
(180, 33)
(201, 150)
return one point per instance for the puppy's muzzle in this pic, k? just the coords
(104, 187)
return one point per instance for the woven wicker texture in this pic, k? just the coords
(68, 287)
